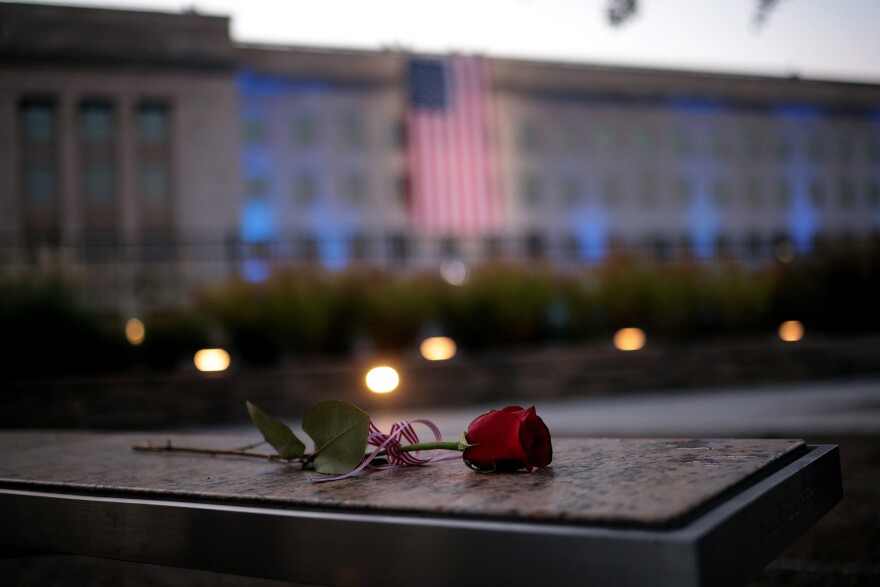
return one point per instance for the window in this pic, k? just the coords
(154, 188)
(536, 247)
(531, 191)
(398, 134)
(723, 245)
(257, 187)
(751, 145)
(846, 193)
(610, 192)
(96, 123)
(720, 193)
(605, 141)
(683, 143)
(754, 246)
(492, 246)
(644, 142)
(305, 189)
(683, 191)
(360, 247)
(152, 123)
(303, 129)
(648, 190)
(661, 247)
(569, 137)
(817, 193)
(716, 145)
(157, 246)
(255, 131)
(571, 192)
(783, 193)
(401, 190)
(356, 188)
(783, 148)
(873, 149)
(41, 184)
(99, 246)
(38, 121)
(97, 185)
(529, 141)
(353, 131)
(449, 247)
(816, 147)
(399, 247)
(754, 197)
(844, 148)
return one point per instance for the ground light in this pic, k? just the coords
(135, 331)
(382, 379)
(438, 348)
(791, 331)
(629, 339)
(211, 360)
(454, 271)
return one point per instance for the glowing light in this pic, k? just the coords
(629, 339)
(454, 272)
(785, 252)
(135, 331)
(438, 348)
(212, 360)
(382, 380)
(791, 331)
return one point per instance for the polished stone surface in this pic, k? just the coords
(643, 482)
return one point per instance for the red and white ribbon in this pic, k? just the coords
(391, 444)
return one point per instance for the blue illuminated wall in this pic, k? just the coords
(266, 160)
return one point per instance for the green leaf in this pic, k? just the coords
(340, 432)
(279, 435)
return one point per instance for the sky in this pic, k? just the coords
(824, 39)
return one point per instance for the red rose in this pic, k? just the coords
(507, 440)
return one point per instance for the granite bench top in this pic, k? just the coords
(596, 481)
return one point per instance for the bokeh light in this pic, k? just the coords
(791, 331)
(454, 271)
(211, 360)
(382, 379)
(438, 348)
(629, 339)
(135, 331)
(785, 252)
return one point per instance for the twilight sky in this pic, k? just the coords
(833, 39)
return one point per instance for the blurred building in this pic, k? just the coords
(150, 143)
(120, 143)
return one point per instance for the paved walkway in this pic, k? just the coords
(820, 408)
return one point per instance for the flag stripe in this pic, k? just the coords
(451, 163)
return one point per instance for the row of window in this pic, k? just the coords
(350, 131)
(683, 142)
(305, 188)
(96, 175)
(756, 194)
(569, 247)
(98, 184)
(97, 121)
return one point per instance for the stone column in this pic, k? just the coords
(128, 213)
(68, 172)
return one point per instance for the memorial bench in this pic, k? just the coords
(607, 512)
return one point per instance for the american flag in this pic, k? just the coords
(452, 162)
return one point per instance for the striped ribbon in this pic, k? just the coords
(391, 444)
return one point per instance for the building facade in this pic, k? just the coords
(118, 148)
(149, 150)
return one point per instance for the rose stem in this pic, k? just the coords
(453, 445)
(209, 451)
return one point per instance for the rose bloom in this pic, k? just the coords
(507, 440)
